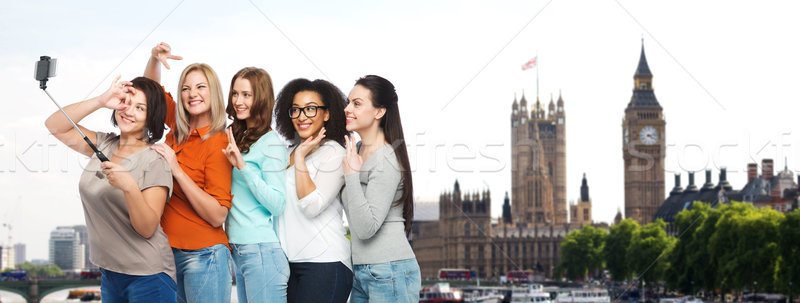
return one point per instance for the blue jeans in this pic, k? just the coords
(123, 288)
(262, 272)
(204, 275)
(319, 282)
(395, 281)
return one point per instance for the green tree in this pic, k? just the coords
(582, 252)
(681, 273)
(699, 255)
(647, 249)
(789, 244)
(35, 271)
(746, 247)
(616, 247)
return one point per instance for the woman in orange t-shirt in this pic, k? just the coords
(194, 215)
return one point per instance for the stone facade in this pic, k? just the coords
(643, 148)
(538, 163)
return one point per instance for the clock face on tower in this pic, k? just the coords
(648, 135)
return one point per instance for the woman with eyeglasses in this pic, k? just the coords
(310, 114)
(259, 162)
(378, 196)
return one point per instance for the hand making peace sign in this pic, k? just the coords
(232, 151)
(162, 52)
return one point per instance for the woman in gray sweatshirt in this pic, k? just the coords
(378, 196)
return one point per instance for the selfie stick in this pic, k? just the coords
(45, 68)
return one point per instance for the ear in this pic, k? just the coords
(327, 116)
(381, 112)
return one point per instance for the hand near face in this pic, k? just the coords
(352, 160)
(232, 151)
(118, 176)
(168, 154)
(308, 145)
(162, 52)
(117, 96)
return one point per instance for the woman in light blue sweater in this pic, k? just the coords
(259, 160)
(378, 196)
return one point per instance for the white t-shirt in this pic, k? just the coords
(312, 229)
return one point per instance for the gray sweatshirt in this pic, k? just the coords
(376, 226)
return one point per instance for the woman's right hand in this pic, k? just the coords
(232, 151)
(162, 52)
(168, 154)
(118, 95)
(352, 161)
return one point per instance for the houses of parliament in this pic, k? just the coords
(536, 216)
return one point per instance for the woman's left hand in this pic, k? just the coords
(232, 151)
(308, 146)
(352, 160)
(118, 176)
(168, 154)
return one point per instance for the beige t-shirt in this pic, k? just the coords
(113, 242)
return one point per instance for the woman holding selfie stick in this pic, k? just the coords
(123, 198)
(378, 196)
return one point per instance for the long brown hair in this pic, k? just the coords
(260, 110)
(385, 96)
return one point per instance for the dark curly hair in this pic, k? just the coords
(331, 96)
(156, 109)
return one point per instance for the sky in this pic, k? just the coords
(724, 72)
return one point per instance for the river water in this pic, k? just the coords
(61, 296)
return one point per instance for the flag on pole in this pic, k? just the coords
(530, 64)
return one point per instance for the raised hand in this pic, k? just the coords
(118, 95)
(305, 148)
(168, 154)
(352, 160)
(232, 151)
(118, 176)
(162, 52)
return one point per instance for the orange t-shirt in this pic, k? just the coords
(205, 163)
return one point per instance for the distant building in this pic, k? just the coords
(84, 232)
(6, 257)
(19, 253)
(580, 213)
(462, 234)
(66, 250)
(42, 262)
(538, 162)
(643, 147)
(779, 192)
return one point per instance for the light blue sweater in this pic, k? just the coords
(258, 192)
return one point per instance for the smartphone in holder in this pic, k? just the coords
(46, 68)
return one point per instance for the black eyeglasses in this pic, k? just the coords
(310, 111)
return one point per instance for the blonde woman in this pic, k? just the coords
(194, 215)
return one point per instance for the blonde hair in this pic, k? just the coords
(217, 104)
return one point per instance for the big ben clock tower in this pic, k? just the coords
(643, 148)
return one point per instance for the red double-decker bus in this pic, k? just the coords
(519, 276)
(456, 274)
